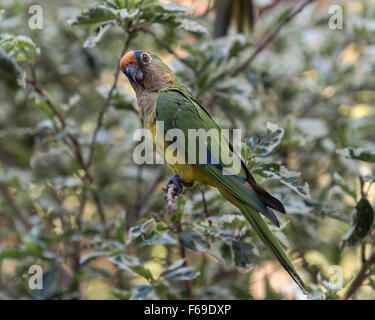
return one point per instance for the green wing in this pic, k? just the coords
(178, 111)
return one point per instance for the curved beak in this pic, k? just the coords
(133, 73)
(129, 66)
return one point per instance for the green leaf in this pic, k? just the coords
(10, 71)
(262, 146)
(119, 4)
(160, 227)
(140, 229)
(362, 220)
(120, 227)
(364, 154)
(141, 292)
(193, 241)
(170, 8)
(42, 105)
(344, 185)
(19, 48)
(176, 216)
(164, 238)
(184, 273)
(99, 14)
(211, 230)
(288, 178)
(124, 261)
(92, 255)
(131, 263)
(20, 253)
(247, 156)
(191, 25)
(173, 266)
(242, 254)
(93, 39)
(143, 272)
(235, 221)
(369, 178)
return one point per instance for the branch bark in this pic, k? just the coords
(17, 210)
(76, 146)
(361, 275)
(188, 283)
(172, 207)
(270, 37)
(142, 199)
(73, 140)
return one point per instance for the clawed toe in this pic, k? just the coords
(177, 181)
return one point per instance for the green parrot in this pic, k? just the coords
(162, 98)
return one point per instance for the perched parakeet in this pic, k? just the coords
(162, 98)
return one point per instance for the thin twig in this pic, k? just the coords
(105, 105)
(362, 183)
(76, 245)
(205, 208)
(76, 146)
(268, 7)
(188, 283)
(363, 252)
(18, 211)
(41, 93)
(270, 37)
(142, 199)
(99, 207)
(172, 207)
(360, 277)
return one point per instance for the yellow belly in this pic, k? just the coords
(190, 173)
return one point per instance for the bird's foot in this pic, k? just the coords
(178, 183)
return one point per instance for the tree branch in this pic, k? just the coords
(361, 275)
(172, 207)
(18, 211)
(105, 105)
(143, 197)
(205, 207)
(76, 146)
(188, 283)
(270, 37)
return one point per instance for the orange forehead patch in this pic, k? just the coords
(128, 58)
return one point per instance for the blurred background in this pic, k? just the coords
(295, 76)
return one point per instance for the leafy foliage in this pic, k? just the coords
(73, 201)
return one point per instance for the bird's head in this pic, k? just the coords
(146, 71)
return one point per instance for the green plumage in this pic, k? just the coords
(178, 110)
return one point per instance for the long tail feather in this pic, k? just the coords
(265, 234)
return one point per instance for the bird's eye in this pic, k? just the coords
(145, 58)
